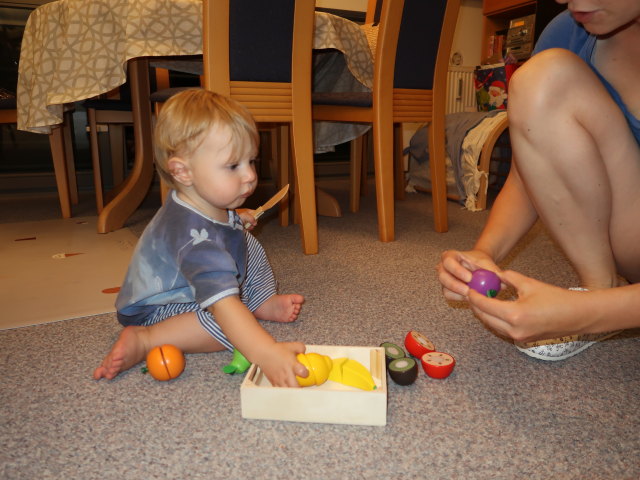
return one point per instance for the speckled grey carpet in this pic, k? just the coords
(501, 415)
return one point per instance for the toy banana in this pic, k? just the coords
(352, 373)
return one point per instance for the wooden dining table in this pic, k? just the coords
(75, 49)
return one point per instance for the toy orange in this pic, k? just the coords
(318, 366)
(165, 362)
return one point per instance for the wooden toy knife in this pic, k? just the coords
(269, 204)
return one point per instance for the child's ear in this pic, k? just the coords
(180, 170)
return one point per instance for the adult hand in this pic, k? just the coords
(454, 271)
(540, 311)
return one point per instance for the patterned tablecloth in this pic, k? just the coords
(76, 49)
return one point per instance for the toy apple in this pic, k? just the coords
(165, 362)
(417, 344)
(485, 282)
(318, 366)
(438, 364)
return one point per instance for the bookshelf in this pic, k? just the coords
(498, 13)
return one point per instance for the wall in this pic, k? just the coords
(469, 32)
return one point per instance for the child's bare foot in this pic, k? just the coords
(126, 352)
(280, 308)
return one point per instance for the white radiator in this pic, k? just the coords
(461, 92)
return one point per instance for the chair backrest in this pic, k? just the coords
(423, 35)
(374, 9)
(413, 47)
(256, 40)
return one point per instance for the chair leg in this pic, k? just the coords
(69, 157)
(117, 148)
(95, 158)
(383, 162)
(302, 133)
(398, 161)
(355, 172)
(438, 169)
(280, 152)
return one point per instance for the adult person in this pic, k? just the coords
(574, 111)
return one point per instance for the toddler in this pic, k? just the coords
(198, 279)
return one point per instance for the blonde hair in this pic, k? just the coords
(188, 116)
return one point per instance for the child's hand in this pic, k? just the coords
(280, 365)
(248, 220)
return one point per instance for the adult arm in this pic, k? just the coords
(543, 311)
(511, 217)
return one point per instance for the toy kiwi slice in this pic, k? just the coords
(392, 352)
(403, 371)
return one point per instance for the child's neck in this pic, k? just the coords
(205, 208)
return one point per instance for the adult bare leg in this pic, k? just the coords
(580, 165)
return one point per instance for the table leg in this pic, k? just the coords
(137, 184)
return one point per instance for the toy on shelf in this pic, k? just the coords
(403, 371)
(392, 352)
(417, 344)
(319, 367)
(165, 362)
(438, 364)
(352, 373)
(238, 364)
(485, 282)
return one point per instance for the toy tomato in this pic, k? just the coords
(438, 364)
(318, 366)
(165, 362)
(417, 344)
(485, 282)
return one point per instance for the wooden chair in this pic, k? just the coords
(113, 110)
(64, 168)
(374, 9)
(484, 164)
(410, 70)
(259, 53)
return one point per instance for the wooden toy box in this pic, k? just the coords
(330, 402)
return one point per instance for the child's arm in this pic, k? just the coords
(277, 360)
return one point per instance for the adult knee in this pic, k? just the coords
(543, 84)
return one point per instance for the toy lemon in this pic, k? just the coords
(165, 362)
(318, 366)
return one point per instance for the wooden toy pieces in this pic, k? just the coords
(417, 344)
(319, 367)
(165, 362)
(238, 364)
(485, 282)
(342, 370)
(435, 364)
(352, 373)
(392, 352)
(403, 371)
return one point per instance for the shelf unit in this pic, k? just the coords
(498, 13)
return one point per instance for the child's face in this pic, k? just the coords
(218, 178)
